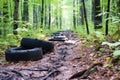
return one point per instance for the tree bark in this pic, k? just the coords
(56, 19)
(5, 13)
(85, 16)
(97, 10)
(107, 21)
(81, 14)
(78, 12)
(16, 7)
(45, 13)
(60, 18)
(1, 21)
(61, 2)
(118, 8)
(5, 18)
(35, 15)
(25, 16)
(49, 22)
(42, 14)
(74, 16)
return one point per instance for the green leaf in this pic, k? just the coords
(116, 53)
(111, 44)
(108, 59)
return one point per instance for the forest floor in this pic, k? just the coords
(68, 60)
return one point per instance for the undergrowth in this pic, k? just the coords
(102, 44)
(12, 40)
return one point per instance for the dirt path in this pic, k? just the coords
(60, 62)
(67, 59)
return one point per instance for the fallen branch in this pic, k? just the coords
(8, 77)
(78, 74)
(88, 72)
(9, 72)
(85, 73)
(18, 73)
(36, 69)
(53, 72)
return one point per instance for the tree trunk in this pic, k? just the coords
(118, 8)
(107, 21)
(56, 20)
(34, 15)
(57, 16)
(77, 16)
(85, 16)
(81, 14)
(74, 16)
(93, 10)
(1, 22)
(42, 14)
(5, 19)
(25, 16)
(45, 13)
(5, 13)
(16, 7)
(49, 22)
(39, 14)
(21, 6)
(60, 18)
(97, 10)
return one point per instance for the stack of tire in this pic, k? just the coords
(30, 49)
(61, 35)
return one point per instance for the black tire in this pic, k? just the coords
(30, 43)
(66, 33)
(21, 54)
(58, 38)
(55, 39)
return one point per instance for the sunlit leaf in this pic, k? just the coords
(111, 44)
(116, 53)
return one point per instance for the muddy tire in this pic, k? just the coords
(66, 33)
(58, 38)
(30, 43)
(21, 54)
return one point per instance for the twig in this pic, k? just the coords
(50, 74)
(78, 74)
(17, 72)
(88, 72)
(36, 69)
(85, 73)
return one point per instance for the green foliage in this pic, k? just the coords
(116, 53)
(95, 38)
(111, 44)
(108, 59)
(12, 39)
(109, 65)
(2, 2)
(116, 35)
(119, 69)
(26, 32)
(32, 28)
(4, 44)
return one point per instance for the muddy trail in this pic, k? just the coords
(68, 61)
